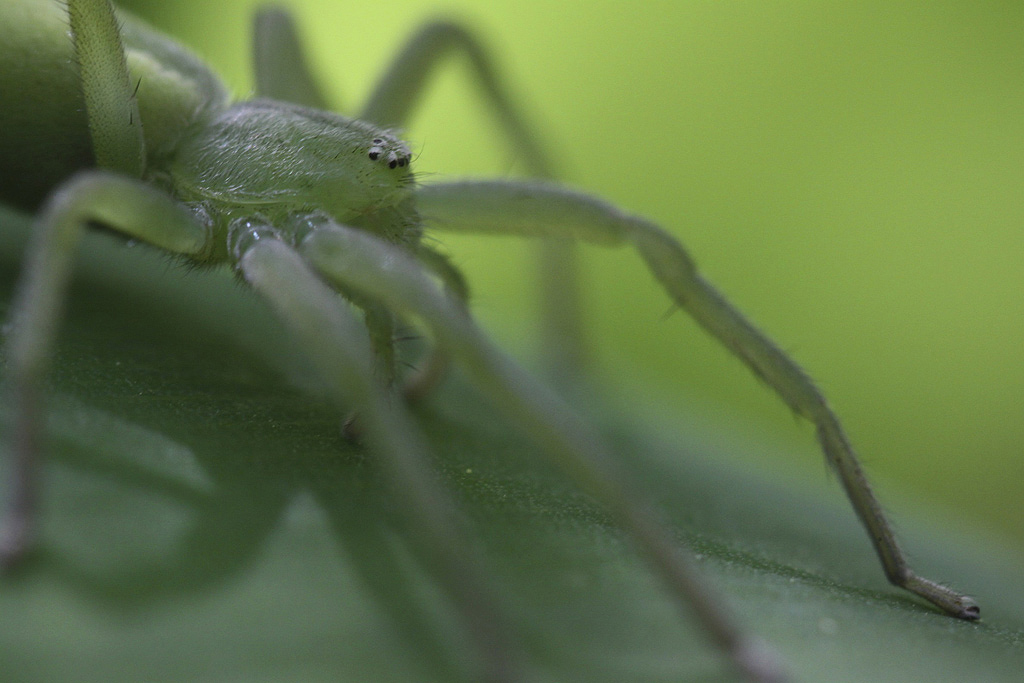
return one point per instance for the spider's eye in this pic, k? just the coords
(396, 155)
(399, 161)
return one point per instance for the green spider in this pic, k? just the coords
(123, 128)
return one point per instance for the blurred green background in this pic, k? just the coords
(849, 175)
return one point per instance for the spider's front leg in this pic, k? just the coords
(354, 259)
(538, 209)
(127, 206)
(338, 345)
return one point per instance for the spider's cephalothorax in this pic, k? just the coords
(275, 160)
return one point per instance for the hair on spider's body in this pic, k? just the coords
(277, 159)
(124, 128)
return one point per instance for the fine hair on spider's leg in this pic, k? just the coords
(115, 127)
(338, 345)
(352, 258)
(539, 209)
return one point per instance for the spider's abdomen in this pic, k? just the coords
(277, 158)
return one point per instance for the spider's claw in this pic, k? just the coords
(969, 610)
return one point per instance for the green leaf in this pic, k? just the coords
(204, 520)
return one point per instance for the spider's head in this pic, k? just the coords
(277, 157)
(360, 169)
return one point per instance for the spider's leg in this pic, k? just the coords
(115, 127)
(338, 346)
(401, 87)
(436, 363)
(353, 258)
(391, 104)
(127, 206)
(279, 65)
(544, 210)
